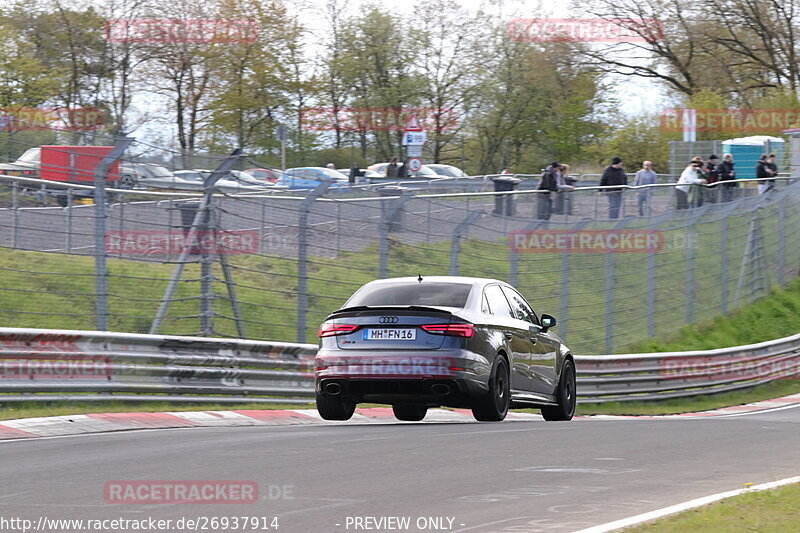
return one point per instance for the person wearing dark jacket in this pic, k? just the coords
(614, 175)
(765, 169)
(728, 175)
(549, 182)
(712, 176)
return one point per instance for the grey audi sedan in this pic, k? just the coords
(424, 342)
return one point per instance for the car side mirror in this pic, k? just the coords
(548, 321)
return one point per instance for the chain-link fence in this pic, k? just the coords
(272, 264)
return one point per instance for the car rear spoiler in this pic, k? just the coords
(429, 309)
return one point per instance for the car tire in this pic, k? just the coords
(566, 395)
(493, 407)
(409, 412)
(335, 407)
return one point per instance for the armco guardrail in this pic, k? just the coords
(44, 365)
(656, 376)
(40, 365)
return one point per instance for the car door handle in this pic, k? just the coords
(508, 335)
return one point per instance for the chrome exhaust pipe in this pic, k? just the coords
(333, 389)
(440, 389)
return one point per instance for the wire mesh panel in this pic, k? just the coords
(263, 262)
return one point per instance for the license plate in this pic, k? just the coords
(390, 334)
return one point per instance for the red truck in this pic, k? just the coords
(66, 164)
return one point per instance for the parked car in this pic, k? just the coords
(150, 175)
(265, 174)
(417, 343)
(232, 183)
(448, 171)
(310, 177)
(425, 172)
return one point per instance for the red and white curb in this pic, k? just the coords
(775, 404)
(685, 506)
(53, 426)
(104, 422)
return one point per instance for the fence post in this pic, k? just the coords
(459, 232)
(689, 283)
(781, 243)
(68, 223)
(15, 213)
(191, 237)
(302, 257)
(100, 273)
(390, 210)
(723, 276)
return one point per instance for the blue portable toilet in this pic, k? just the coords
(746, 152)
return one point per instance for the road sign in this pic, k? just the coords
(411, 138)
(414, 164)
(414, 150)
(283, 132)
(413, 124)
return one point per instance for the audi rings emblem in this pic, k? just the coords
(388, 320)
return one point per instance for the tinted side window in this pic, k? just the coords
(520, 307)
(498, 305)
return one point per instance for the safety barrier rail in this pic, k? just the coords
(47, 365)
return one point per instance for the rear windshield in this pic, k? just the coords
(436, 294)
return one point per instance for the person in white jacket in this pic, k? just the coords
(688, 178)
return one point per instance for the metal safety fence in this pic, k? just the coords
(267, 265)
(65, 365)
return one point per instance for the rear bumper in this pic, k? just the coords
(449, 378)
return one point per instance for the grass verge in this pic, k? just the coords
(768, 511)
(775, 389)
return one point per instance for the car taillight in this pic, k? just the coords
(329, 329)
(455, 330)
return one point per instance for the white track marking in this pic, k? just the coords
(685, 506)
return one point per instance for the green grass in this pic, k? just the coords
(767, 391)
(768, 511)
(770, 317)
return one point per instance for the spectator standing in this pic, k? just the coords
(727, 174)
(562, 182)
(763, 170)
(355, 173)
(550, 178)
(392, 169)
(645, 176)
(614, 175)
(690, 176)
(712, 176)
(773, 170)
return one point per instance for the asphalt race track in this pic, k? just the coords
(521, 476)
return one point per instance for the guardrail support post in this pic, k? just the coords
(100, 274)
